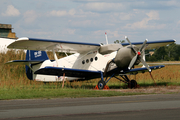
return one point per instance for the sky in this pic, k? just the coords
(88, 20)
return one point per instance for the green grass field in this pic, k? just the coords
(15, 85)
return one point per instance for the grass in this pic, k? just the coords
(57, 93)
(15, 85)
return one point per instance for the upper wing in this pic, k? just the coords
(58, 45)
(74, 47)
(152, 44)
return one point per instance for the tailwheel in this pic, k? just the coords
(101, 84)
(132, 84)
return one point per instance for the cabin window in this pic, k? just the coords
(83, 62)
(87, 61)
(91, 59)
(96, 58)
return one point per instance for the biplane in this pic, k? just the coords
(87, 61)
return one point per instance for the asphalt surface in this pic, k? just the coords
(139, 107)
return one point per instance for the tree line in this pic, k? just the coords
(170, 52)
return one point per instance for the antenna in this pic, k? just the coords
(106, 38)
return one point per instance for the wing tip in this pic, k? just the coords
(23, 38)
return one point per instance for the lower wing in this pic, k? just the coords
(59, 71)
(143, 69)
(87, 74)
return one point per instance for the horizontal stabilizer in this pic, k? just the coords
(58, 71)
(24, 62)
(143, 69)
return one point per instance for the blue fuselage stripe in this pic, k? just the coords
(61, 41)
(150, 42)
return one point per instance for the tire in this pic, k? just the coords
(132, 84)
(101, 84)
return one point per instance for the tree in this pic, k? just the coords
(170, 52)
(160, 53)
(119, 41)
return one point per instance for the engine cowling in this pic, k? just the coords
(124, 56)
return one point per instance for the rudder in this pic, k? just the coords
(34, 55)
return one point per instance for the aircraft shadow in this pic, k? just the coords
(123, 86)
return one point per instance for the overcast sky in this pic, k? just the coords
(88, 20)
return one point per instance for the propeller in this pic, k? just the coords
(138, 55)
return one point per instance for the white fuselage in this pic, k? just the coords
(87, 61)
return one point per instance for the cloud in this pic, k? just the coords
(76, 13)
(144, 23)
(81, 23)
(178, 23)
(68, 31)
(58, 13)
(11, 11)
(30, 16)
(153, 15)
(171, 3)
(102, 6)
(72, 12)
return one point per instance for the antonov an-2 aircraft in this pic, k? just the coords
(88, 61)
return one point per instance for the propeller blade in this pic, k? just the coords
(143, 45)
(145, 64)
(128, 40)
(133, 61)
(130, 44)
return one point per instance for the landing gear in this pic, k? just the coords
(132, 84)
(101, 84)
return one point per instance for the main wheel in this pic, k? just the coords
(132, 84)
(101, 84)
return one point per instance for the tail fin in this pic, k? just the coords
(34, 55)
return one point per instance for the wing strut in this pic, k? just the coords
(55, 57)
(30, 67)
